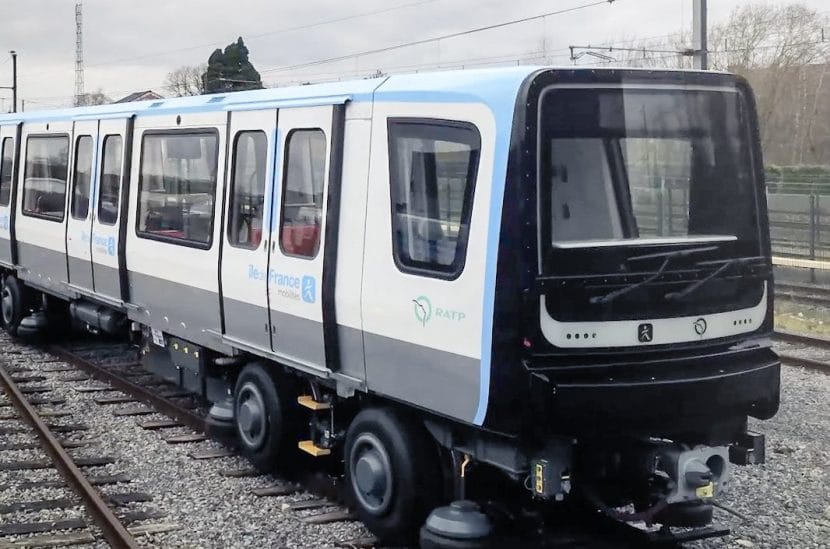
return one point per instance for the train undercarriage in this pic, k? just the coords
(400, 463)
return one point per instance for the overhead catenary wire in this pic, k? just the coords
(251, 37)
(422, 41)
(448, 36)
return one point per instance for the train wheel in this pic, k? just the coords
(262, 416)
(12, 304)
(393, 474)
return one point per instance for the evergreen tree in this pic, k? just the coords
(231, 70)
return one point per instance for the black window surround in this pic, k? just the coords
(452, 131)
(167, 239)
(27, 212)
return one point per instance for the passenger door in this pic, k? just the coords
(246, 239)
(79, 221)
(40, 204)
(8, 136)
(298, 235)
(106, 226)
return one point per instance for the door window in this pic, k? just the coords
(248, 190)
(302, 195)
(6, 170)
(110, 180)
(82, 177)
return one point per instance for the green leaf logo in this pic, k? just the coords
(423, 309)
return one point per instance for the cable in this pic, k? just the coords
(436, 38)
(251, 38)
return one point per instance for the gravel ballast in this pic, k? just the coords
(786, 501)
(211, 510)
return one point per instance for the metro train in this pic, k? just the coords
(558, 278)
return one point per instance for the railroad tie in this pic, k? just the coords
(271, 491)
(339, 515)
(211, 454)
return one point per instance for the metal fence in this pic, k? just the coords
(799, 224)
(799, 213)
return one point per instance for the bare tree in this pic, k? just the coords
(782, 51)
(94, 98)
(186, 80)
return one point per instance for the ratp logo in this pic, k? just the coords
(423, 309)
(309, 285)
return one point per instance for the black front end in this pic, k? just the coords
(634, 282)
(634, 304)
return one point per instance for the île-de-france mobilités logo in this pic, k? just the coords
(423, 309)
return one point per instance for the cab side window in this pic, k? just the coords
(6, 171)
(250, 154)
(432, 172)
(302, 195)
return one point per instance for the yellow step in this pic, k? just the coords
(309, 447)
(309, 402)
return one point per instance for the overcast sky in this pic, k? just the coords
(132, 45)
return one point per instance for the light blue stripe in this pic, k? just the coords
(94, 186)
(276, 183)
(501, 101)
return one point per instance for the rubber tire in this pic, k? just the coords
(280, 440)
(417, 481)
(19, 304)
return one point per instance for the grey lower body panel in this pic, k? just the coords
(437, 380)
(299, 338)
(248, 323)
(43, 267)
(80, 273)
(178, 309)
(107, 281)
(5, 252)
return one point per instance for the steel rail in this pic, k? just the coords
(112, 529)
(161, 404)
(801, 339)
(809, 363)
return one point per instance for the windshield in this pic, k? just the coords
(618, 164)
(648, 203)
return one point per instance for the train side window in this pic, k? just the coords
(177, 187)
(302, 194)
(44, 178)
(110, 180)
(6, 170)
(250, 153)
(81, 178)
(432, 168)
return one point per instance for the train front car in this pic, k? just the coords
(634, 290)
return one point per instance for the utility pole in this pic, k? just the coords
(79, 53)
(700, 41)
(13, 87)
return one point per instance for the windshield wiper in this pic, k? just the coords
(674, 254)
(695, 286)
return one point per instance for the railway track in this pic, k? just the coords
(112, 369)
(97, 506)
(803, 293)
(822, 345)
